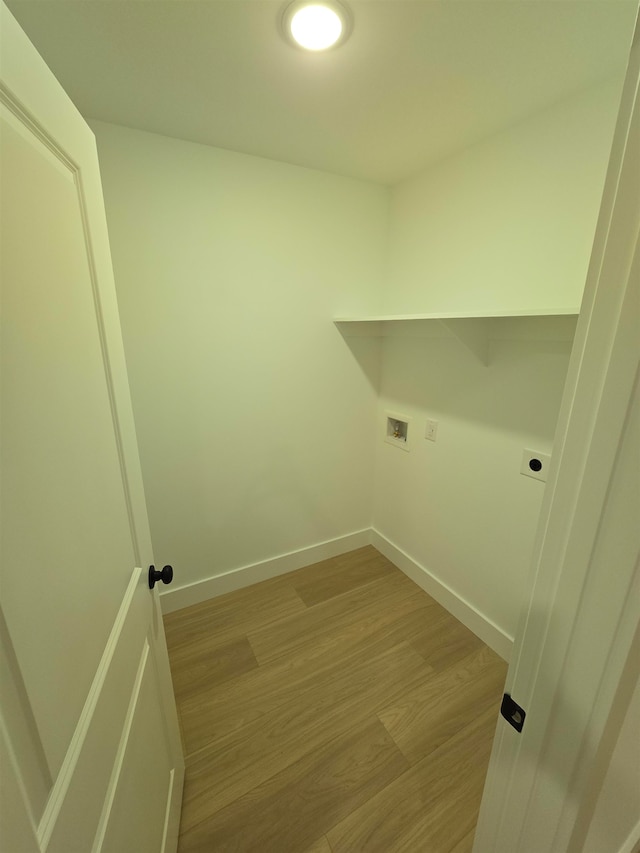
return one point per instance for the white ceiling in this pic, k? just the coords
(417, 80)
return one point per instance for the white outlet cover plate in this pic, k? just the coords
(527, 457)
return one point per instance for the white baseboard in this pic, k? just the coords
(477, 622)
(176, 598)
(194, 593)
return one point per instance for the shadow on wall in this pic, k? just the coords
(367, 351)
(520, 390)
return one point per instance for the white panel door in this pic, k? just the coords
(576, 657)
(90, 744)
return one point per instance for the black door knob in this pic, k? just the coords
(155, 575)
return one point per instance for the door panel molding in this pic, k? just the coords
(122, 747)
(35, 129)
(115, 672)
(142, 750)
(40, 103)
(16, 713)
(17, 826)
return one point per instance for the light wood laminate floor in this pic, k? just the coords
(336, 709)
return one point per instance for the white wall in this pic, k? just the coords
(509, 223)
(506, 225)
(255, 422)
(259, 424)
(459, 507)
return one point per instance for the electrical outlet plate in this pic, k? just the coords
(535, 464)
(431, 430)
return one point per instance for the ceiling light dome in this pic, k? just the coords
(316, 24)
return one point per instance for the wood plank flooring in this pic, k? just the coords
(336, 709)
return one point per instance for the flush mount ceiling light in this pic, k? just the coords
(316, 25)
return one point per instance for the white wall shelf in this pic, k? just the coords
(473, 330)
